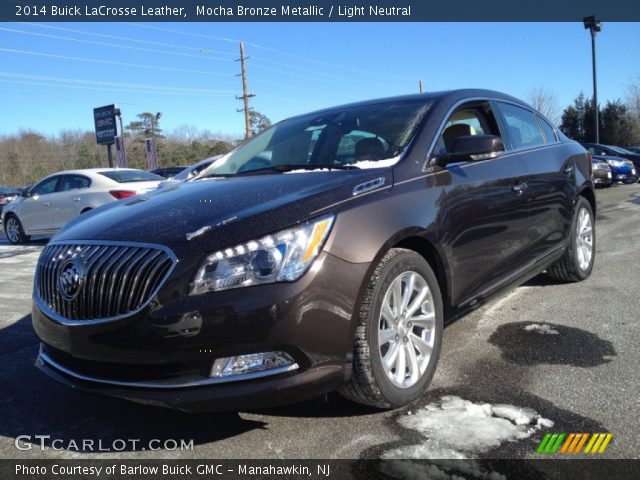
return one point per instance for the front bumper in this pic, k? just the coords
(163, 354)
(602, 177)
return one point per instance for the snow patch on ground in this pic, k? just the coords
(457, 429)
(541, 328)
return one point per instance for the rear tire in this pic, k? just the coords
(577, 262)
(14, 231)
(400, 312)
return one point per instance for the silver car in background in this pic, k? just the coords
(47, 206)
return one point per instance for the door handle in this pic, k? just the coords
(519, 188)
(46, 204)
(568, 169)
(76, 199)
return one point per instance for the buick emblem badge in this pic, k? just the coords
(71, 279)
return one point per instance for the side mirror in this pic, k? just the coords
(25, 193)
(472, 148)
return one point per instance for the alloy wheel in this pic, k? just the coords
(584, 239)
(13, 230)
(406, 329)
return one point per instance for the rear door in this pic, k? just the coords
(551, 177)
(68, 200)
(485, 213)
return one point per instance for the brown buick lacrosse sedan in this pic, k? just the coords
(324, 254)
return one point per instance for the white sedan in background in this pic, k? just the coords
(47, 206)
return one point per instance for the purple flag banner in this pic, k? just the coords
(152, 161)
(121, 154)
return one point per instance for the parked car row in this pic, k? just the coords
(48, 205)
(7, 194)
(612, 164)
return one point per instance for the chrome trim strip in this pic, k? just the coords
(346, 200)
(65, 321)
(43, 359)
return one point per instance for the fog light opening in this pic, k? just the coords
(267, 363)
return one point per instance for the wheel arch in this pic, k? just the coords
(436, 260)
(588, 193)
(417, 240)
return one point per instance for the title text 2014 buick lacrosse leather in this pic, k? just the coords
(324, 254)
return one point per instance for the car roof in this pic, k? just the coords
(450, 95)
(87, 171)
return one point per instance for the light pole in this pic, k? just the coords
(594, 26)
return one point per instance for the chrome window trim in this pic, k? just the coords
(65, 321)
(45, 360)
(540, 119)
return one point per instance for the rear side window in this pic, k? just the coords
(596, 150)
(547, 129)
(127, 176)
(523, 128)
(73, 182)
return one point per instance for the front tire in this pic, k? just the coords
(399, 332)
(14, 231)
(577, 262)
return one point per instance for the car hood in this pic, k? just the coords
(205, 215)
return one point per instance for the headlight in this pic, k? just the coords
(615, 163)
(282, 257)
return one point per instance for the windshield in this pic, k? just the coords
(192, 171)
(128, 176)
(359, 137)
(618, 149)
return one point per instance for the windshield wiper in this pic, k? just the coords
(211, 175)
(293, 166)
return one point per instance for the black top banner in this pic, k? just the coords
(317, 11)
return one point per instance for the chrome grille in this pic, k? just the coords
(103, 280)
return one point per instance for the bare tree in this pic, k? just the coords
(633, 104)
(545, 101)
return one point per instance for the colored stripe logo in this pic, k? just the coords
(573, 443)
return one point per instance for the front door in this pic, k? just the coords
(484, 208)
(36, 213)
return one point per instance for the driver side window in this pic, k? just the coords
(476, 119)
(46, 186)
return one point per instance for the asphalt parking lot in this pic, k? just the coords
(566, 356)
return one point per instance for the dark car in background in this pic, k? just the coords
(324, 254)
(622, 170)
(168, 172)
(613, 151)
(602, 176)
(633, 149)
(7, 194)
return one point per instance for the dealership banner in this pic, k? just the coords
(315, 11)
(317, 469)
(121, 154)
(150, 147)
